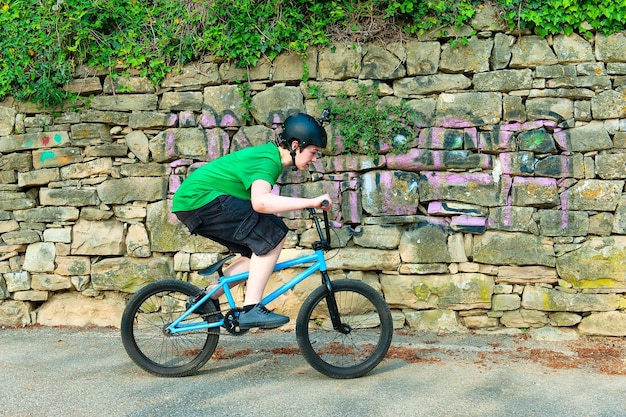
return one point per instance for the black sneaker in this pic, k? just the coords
(261, 317)
(201, 310)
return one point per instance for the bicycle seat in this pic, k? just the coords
(216, 267)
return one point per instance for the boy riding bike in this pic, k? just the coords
(230, 201)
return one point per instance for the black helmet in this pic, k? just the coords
(305, 129)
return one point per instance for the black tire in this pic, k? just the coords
(360, 350)
(143, 325)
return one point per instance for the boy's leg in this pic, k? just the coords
(261, 268)
(255, 314)
(240, 265)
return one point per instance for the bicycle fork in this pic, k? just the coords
(333, 310)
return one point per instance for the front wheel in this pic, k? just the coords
(145, 320)
(360, 342)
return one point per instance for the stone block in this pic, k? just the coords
(505, 302)
(77, 197)
(31, 141)
(58, 235)
(380, 64)
(557, 109)
(47, 214)
(390, 192)
(98, 238)
(598, 263)
(463, 291)
(51, 282)
(563, 223)
(90, 134)
(84, 86)
(378, 236)
(100, 166)
(339, 62)
(564, 319)
(497, 140)
(56, 157)
(248, 136)
(524, 275)
(503, 80)
(464, 187)
(125, 85)
(561, 166)
(426, 160)
(470, 57)
(430, 84)
(119, 150)
(610, 323)
(275, 104)
(137, 241)
(184, 144)
(590, 137)
(194, 75)
(422, 58)
(524, 319)
(434, 321)
(15, 313)
(74, 309)
(530, 52)
(291, 67)
(132, 189)
(129, 274)
(600, 195)
(533, 191)
(7, 120)
(125, 102)
(424, 243)
(17, 281)
(39, 257)
(547, 299)
(181, 100)
(611, 166)
(353, 163)
(362, 259)
(512, 248)
(72, 265)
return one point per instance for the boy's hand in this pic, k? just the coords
(323, 202)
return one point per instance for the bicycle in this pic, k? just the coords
(343, 328)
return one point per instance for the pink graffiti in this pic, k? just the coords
(228, 120)
(207, 120)
(170, 143)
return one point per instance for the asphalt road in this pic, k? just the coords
(86, 372)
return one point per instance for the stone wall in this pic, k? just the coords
(509, 211)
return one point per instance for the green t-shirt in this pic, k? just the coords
(232, 174)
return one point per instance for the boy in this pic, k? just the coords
(229, 200)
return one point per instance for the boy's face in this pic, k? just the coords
(306, 156)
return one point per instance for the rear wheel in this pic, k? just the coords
(363, 338)
(146, 318)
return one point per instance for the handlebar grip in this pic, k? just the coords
(325, 203)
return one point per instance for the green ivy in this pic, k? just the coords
(366, 125)
(419, 16)
(42, 42)
(566, 16)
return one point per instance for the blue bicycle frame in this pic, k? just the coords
(319, 264)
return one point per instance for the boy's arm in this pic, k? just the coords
(263, 201)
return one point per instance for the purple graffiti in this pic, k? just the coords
(170, 143)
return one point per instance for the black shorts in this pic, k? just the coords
(233, 223)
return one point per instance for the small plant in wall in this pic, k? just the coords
(365, 124)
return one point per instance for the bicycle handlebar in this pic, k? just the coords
(324, 236)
